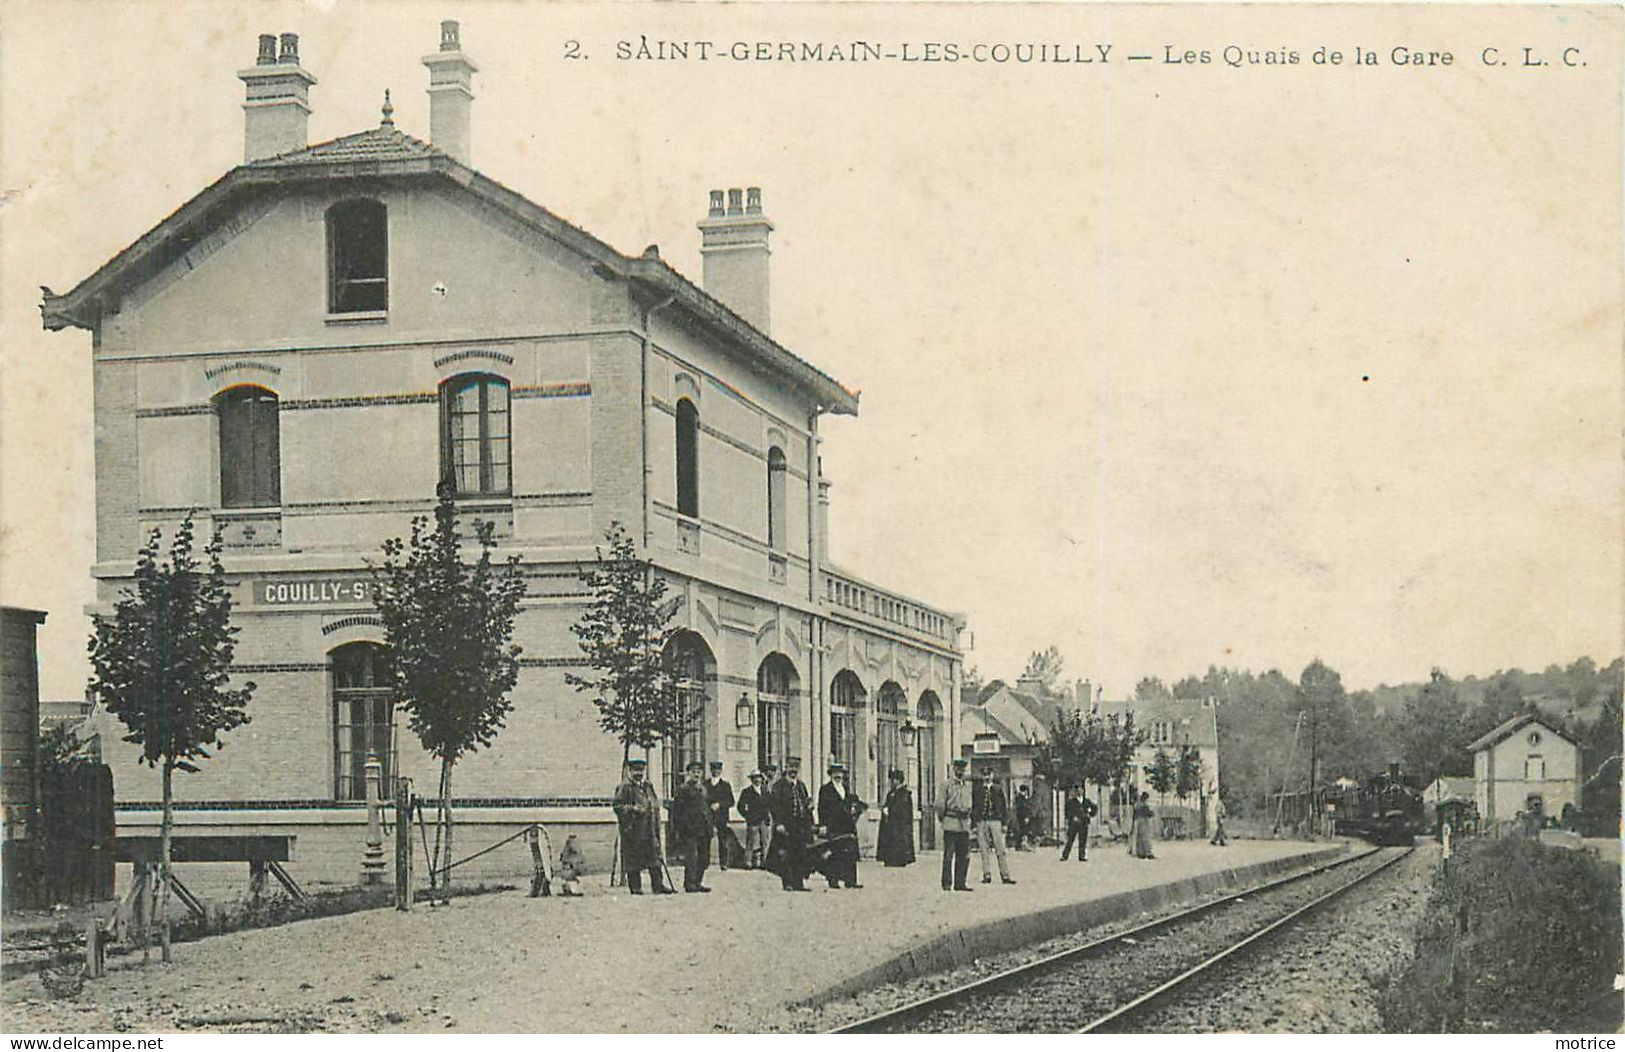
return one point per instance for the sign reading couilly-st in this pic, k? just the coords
(331, 590)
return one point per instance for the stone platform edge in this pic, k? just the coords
(952, 949)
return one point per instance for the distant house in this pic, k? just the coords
(1004, 727)
(1169, 724)
(1525, 765)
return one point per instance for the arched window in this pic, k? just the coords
(363, 718)
(890, 705)
(776, 685)
(250, 448)
(846, 701)
(357, 257)
(688, 459)
(690, 664)
(474, 446)
(776, 511)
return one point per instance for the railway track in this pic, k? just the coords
(1106, 983)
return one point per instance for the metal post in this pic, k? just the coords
(403, 843)
(372, 856)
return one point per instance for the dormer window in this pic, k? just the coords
(357, 257)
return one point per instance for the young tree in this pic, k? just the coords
(624, 634)
(1073, 752)
(448, 625)
(1163, 775)
(1187, 772)
(162, 664)
(1122, 738)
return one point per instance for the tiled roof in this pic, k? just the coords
(1510, 727)
(383, 143)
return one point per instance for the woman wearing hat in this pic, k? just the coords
(896, 845)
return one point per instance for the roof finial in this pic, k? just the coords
(389, 111)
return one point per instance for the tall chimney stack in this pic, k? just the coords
(276, 115)
(451, 95)
(733, 245)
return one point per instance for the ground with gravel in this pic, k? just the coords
(1326, 975)
(733, 960)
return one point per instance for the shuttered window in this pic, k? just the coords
(250, 453)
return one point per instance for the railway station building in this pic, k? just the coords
(306, 348)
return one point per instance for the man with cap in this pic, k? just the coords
(791, 807)
(758, 819)
(691, 827)
(988, 810)
(838, 811)
(637, 813)
(720, 796)
(954, 808)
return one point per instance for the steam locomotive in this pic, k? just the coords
(1383, 809)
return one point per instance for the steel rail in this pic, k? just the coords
(1130, 1007)
(892, 1020)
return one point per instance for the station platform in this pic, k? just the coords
(730, 961)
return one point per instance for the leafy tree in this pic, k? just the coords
(1433, 731)
(1163, 773)
(1045, 666)
(1070, 751)
(1187, 772)
(449, 626)
(1121, 739)
(624, 634)
(1151, 689)
(162, 664)
(60, 751)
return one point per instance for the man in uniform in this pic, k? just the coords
(720, 795)
(758, 820)
(954, 807)
(791, 807)
(691, 827)
(838, 810)
(637, 812)
(988, 812)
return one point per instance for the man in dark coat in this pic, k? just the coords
(691, 827)
(791, 807)
(758, 821)
(988, 810)
(1079, 810)
(637, 812)
(720, 795)
(896, 844)
(1023, 807)
(838, 811)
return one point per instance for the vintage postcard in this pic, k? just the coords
(724, 518)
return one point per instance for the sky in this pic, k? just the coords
(1166, 364)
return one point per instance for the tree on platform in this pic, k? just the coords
(1187, 772)
(1073, 750)
(623, 635)
(1163, 774)
(161, 663)
(449, 626)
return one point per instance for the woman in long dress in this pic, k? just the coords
(1143, 816)
(896, 845)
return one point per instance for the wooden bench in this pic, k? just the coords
(263, 853)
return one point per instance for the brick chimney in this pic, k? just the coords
(733, 244)
(276, 115)
(451, 95)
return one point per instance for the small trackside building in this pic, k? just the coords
(1524, 766)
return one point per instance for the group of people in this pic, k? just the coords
(790, 835)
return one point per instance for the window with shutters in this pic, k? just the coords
(357, 257)
(688, 459)
(250, 454)
(474, 441)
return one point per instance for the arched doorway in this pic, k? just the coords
(891, 705)
(777, 685)
(928, 726)
(363, 717)
(693, 668)
(846, 701)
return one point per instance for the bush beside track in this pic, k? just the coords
(1517, 937)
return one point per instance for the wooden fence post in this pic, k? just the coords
(403, 843)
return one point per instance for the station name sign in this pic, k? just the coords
(344, 590)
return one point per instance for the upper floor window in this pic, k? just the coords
(474, 438)
(688, 459)
(250, 453)
(357, 257)
(776, 516)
